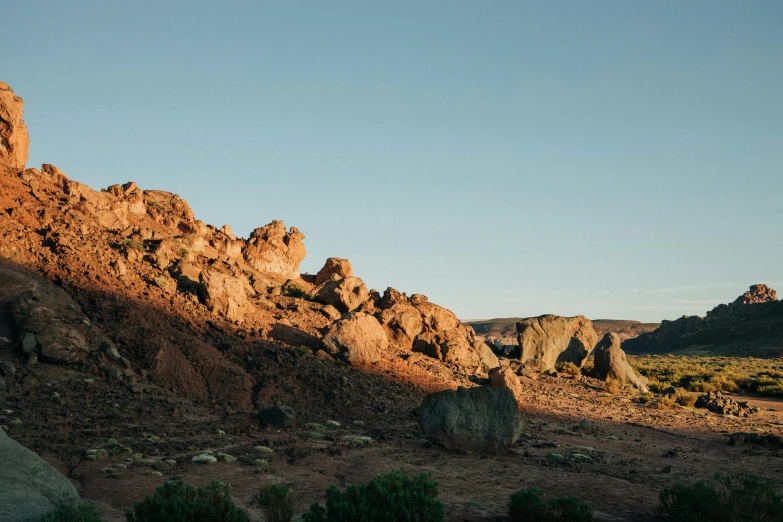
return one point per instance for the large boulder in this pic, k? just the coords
(224, 294)
(29, 486)
(272, 249)
(611, 363)
(334, 266)
(14, 140)
(452, 347)
(550, 339)
(482, 420)
(359, 337)
(346, 294)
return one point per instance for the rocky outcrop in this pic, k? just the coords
(358, 337)
(334, 266)
(272, 249)
(550, 339)
(29, 487)
(346, 294)
(481, 420)
(718, 403)
(750, 325)
(611, 363)
(14, 141)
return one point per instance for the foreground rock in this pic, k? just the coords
(14, 141)
(611, 363)
(718, 403)
(358, 337)
(482, 420)
(29, 486)
(550, 339)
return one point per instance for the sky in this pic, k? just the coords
(616, 159)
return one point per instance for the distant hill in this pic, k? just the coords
(750, 326)
(506, 327)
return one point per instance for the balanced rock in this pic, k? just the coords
(482, 420)
(334, 266)
(346, 294)
(549, 339)
(611, 363)
(272, 249)
(359, 337)
(29, 487)
(14, 140)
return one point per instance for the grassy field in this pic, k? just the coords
(709, 373)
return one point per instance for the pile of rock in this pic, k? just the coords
(716, 402)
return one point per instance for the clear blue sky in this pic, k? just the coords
(616, 159)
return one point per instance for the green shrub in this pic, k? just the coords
(530, 505)
(732, 498)
(685, 399)
(72, 510)
(276, 502)
(132, 244)
(568, 367)
(394, 497)
(176, 501)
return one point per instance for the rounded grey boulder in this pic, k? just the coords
(29, 486)
(481, 420)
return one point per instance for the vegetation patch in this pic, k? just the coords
(527, 505)
(176, 501)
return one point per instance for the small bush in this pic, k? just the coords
(386, 498)
(184, 252)
(276, 502)
(295, 291)
(686, 400)
(176, 501)
(528, 505)
(72, 510)
(664, 403)
(568, 367)
(732, 498)
(612, 386)
(644, 398)
(131, 244)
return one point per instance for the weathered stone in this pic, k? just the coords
(487, 357)
(334, 266)
(505, 378)
(358, 337)
(224, 294)
(345, 294)
(29, 486)
(549, 339)
(482, 420)
(278, 416)
(330, 312)
(718, 403)
(271, 249)
(14, 140)
(611, 363)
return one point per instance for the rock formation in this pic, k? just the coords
(611, 363)
(14, 141)
(359, 336)
(481, 420)
(334, 266)
(29, 487)
(550, 339)
(346, 294)
(504, 377)
(272, 249)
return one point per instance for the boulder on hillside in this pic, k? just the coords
(279, 416)
(482, 420)
(334, 266)
(346, 294)
(550, 339)
(451, 346)
(224, 294)
(611, 363)
(14, 140)
(359, 337)
(272, 249)
(402, 320)
(29, 487)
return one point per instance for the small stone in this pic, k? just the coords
(585, 424)
(156, 473)
(7, 368)
(29, 343)
(358, 423)
(667, 469)
(32, 360)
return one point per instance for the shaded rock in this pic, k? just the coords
(611, 362)
(334, 266)
(549, 339)
(759, 439)
(14, 140)
(486, 356)
(345, 294)
(482, 420)
(505, 378)
(359, 337)
(29, 486)
(452, 346)
(279, 416)
(330, 312)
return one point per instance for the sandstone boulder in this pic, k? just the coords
(272, 249)
(482, 420)
(334, 266)
(14, 140)
(29, 487)
(505, 378)
(611, 363)
(451, 346)
(550, 339)
(359, 337)
(346, 294)
(487, 357)
(224, 294)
